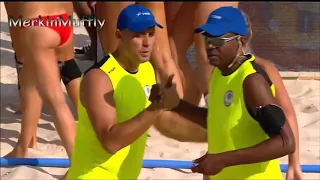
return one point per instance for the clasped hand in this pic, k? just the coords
(165, 96)
(209, 164)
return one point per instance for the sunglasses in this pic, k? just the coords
(217, 41)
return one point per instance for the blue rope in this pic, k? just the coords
(147, 163)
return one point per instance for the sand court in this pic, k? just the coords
(305, 95)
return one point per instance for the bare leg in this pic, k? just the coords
(33, 142)
(84, 10)
(204, 69)
(41, 63)
(180, 42)
(161, 58)
(171, 9)
(73, 91)
(67, 53)
(31, 105)
(109, 11)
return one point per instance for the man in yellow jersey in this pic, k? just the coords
(114, 111)
(247, 130)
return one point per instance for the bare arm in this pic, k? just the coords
(97, 97)
(174, 126)
(192, 113)
(164, 66)
(257, 93)
(284, 101)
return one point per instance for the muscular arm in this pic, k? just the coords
(284, 101)
(97, 97)
(257, 93)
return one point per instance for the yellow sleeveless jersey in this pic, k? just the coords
(231, 127)
(131, 93)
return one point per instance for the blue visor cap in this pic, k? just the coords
(136, 18)
(224, 20)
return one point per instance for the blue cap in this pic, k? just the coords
(136, 18)
(224, 20)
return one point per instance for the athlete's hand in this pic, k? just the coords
(171, 96)
(165, 97)
(156, 95)
(209, 164)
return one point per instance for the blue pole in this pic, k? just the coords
(147, 163)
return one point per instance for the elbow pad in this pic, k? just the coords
(271, 119)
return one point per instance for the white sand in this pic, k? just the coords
(304, 94)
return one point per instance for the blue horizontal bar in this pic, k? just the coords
(147, 163)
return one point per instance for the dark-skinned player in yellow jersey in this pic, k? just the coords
(246, 129)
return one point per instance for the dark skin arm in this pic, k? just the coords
(277, 145)
(97, 97)
(192, 113)
(284, 101)
(175, 126)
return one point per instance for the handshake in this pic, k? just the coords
(164, 97)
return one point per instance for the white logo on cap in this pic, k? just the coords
(216, 17)
(143, 14)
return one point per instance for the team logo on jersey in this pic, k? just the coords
(228, 98)
(147, 91)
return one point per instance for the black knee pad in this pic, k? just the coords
(69, 70)
(19, 66)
